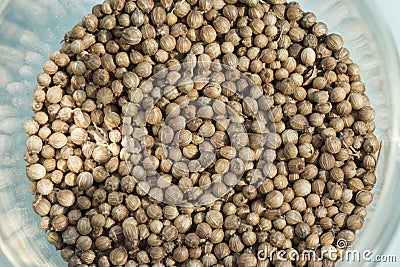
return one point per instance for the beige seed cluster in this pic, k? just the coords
(292, 168)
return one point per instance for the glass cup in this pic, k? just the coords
(31, 30)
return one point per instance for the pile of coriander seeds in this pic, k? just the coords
(201, 133)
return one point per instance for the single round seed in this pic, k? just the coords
(274, 199)
(308, 56)
(65, 198)
(36, 171)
